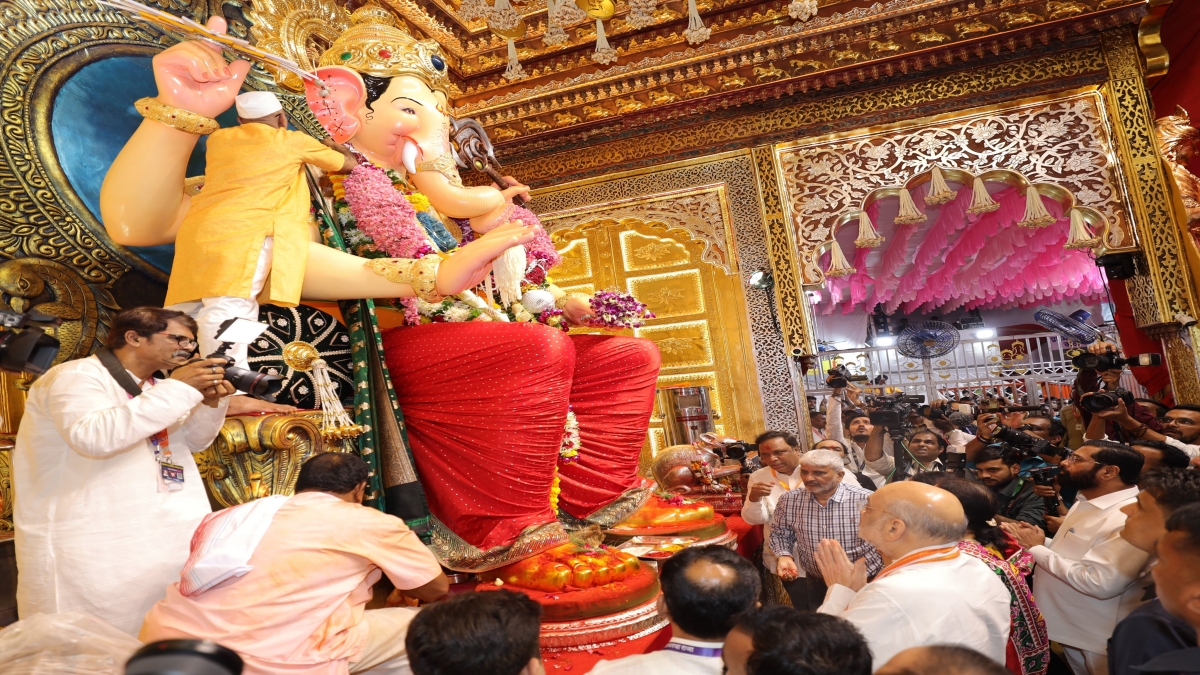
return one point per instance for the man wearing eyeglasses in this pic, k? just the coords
(108, 494)
(1088, 577)
(1180, 427)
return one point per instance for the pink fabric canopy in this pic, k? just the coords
(955, 260)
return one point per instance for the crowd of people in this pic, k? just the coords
(928, 542)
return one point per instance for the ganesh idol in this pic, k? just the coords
(516, 427)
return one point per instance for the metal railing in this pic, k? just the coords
(1016, 367)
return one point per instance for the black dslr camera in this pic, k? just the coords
(1103, 400)
(25, 348)
(840, 378)
(1027, 445)
(1045, 475)
(264, 386)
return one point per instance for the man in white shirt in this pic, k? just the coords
(928, 593)
(780, 455)
(703, 589)
(109, 492)
(1088, 577)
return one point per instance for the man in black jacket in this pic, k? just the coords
(1000, 469)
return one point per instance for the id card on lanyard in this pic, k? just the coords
(170, 475)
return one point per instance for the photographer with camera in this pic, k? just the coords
(999, 469)
(1098, 391)
(859, 424)
(110, 494)
(1179, 428)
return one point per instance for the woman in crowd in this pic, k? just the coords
(1028, 642)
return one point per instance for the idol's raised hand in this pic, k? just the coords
(194, 76)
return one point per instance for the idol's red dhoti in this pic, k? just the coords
(485, 405)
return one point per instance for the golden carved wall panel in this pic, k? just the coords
(682, 345)
(699, 212)
(576, 262)
(671, 294)
(1064, 140)
(641, 252)
(700, 327)
(727, 181)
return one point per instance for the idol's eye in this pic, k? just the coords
(408, 111)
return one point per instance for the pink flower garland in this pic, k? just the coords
(383, 214)
(541, 250)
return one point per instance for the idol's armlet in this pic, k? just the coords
(420, 273)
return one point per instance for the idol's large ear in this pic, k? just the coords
(335, 99)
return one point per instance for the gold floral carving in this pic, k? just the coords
(257, 456)
(1166, 288)
(807, 113)
(299, 29)
(794, 314)
(6, 487)
(700, 214)
(1062, 141)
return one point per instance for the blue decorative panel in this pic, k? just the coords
(92, 119)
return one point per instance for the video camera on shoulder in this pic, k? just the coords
(1112, 359)
(263, 386)
(840, 378)
(26, 348)
(891, 411)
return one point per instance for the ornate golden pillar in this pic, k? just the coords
(795, 313)
(1164, 288)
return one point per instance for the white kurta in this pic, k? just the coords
(93, 532)
(951, 602)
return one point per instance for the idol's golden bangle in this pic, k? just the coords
(177, 118)
(562, 302)
(444, 165)
(421, 274)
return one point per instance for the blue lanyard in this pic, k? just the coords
(694, 651)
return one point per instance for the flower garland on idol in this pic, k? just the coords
(383, 216)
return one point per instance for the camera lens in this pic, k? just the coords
(184, 657)
(1100, 402)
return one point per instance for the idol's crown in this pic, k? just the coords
(375, 45)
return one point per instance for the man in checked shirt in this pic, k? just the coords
(826, 509)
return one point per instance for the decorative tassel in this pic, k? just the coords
(473, 10)
(641, 13)
(476, 302)
(1080, 236)
(514, 71)
(838, 265)
(604, 54)
(567, 13)
(555, 35)
(509, 270)
(939, 192)
(868, 236)
(503, 16)
(981, 199)
(802, 10)
(696, 31)
(335, 423)
(909, 215)
(1036, 215)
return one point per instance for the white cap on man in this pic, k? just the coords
(255, 104)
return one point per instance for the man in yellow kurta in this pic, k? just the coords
(247, 232)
